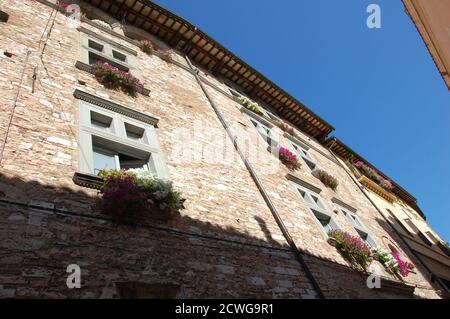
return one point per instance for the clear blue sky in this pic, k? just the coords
(379, 88)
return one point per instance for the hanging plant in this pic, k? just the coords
(327, 179)
(114, 78)
(352, 247)
(137, 191)
(288, 158)
(146, 46)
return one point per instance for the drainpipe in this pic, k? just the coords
(381, 213)
(259, 185)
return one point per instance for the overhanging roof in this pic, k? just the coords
(345, 152)
(204, 51)
(432, 20)
(207, 53)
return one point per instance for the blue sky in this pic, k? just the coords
(379, 88)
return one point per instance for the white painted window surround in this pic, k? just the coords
(303, 151)
(318, 209)
(114, 141)
(95, 49)
(357, 224)
(269, 136)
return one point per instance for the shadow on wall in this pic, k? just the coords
(407, 253)
(180, 258)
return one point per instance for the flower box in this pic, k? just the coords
(288, 158)
(137, 193)
(393, 263)
(327, 179)
(113, 78)
(248, 104)
(351, 247)
(146, 46)
(374, 176)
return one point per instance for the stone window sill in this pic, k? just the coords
(87, 180)
(88, 68)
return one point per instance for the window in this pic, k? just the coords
(445, 283)
(411, 225)
(112, 140)
(234, 92)
(444, 248)
(354, 220)
(425, 239)
(406, 230)
(318, 209)
(101, 122)
(265, 132)
(303, 152)
(431, 236)
(94, 50)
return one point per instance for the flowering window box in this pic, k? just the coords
(146, 46)
(288, 158)
(113, 78)
(249, 105)
(133, 194)
(351, 247)
(90, 69)
(370, 173)
(393, 263)
(138, 192)
(327, 179)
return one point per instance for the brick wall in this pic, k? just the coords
(226, 242)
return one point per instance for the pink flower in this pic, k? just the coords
(404, 270)
(288, 158)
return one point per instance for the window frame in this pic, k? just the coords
(260, 125)
(116, 140)
(356, 222)
(300, 149)
(316, 210)
(107, 54)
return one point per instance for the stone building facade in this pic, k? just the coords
(246, 231)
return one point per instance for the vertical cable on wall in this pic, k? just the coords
(260, 186)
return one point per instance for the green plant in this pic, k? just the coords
(392, 262)
(114, 78)
(137, 191)
(248, 104)
(352, 247)
(146, 46)
(374, 176)
(325, 178)
(288, 158)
